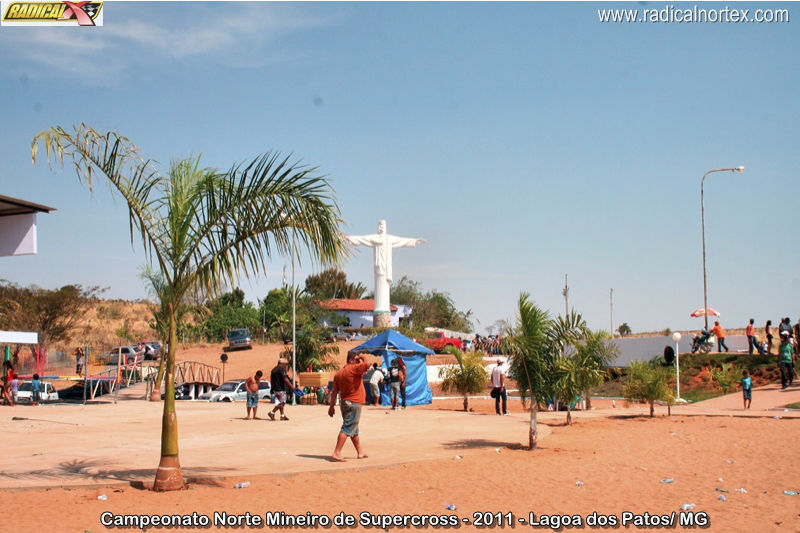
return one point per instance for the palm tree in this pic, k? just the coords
(597, 352)
(648, 383)
(467, 377)
(529, 343)
(199, 226)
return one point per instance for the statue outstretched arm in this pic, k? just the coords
(403, 242)
(363, 240)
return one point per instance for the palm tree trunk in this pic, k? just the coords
(168, 475)
(588, 398)
(533, 432)
(652, 409)
(569, 415)
(466, 403)
(155, 394)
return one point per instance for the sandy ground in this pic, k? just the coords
(58, 459)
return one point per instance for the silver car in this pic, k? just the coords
(235, 390)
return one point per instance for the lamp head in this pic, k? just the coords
(676, 336)
(739, 169)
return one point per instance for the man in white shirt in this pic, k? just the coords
(499, 387)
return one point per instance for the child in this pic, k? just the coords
(36, 390)
(14, 390)
(747, 388)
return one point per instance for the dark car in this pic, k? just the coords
(239, 339)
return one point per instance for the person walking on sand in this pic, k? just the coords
(8, 383)
(786, 351)
(499, 388)
(747, 388)
(280, 384)
(251, 385)
(347, 384)
(719, 331)
(768, 334)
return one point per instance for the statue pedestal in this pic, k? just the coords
(383, 320)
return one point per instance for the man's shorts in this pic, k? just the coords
(279, 398)
(395, 392)
(351, 414)
(252, 399)
(748, 394)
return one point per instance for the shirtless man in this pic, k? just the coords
(252, 393)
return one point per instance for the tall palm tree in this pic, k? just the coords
(529, 343)
(199, 226)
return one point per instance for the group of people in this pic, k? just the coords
(490, 344)
(395, 376)
(280, 386)
(11, 386)
(765, 348)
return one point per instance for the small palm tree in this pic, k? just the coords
(624, 330)
(597, 352)
(199, 226)
(647, 383)
(467, 377)
(312, 350)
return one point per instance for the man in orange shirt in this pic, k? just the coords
(720, 333)
(348, 383)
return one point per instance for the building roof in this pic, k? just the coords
(343, 304)
(14, 206)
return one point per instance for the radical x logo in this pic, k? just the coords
(37, 13)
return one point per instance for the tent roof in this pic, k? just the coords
(392, 341)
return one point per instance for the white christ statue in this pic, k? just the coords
(382, 243)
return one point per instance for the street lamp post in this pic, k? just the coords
(294, 328)
(677, 337)
(703, 228)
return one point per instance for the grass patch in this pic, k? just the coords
(698, 395)
(795, 405)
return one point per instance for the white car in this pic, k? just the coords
(48, 394)
(235, 391)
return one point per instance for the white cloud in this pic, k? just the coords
(224, 33)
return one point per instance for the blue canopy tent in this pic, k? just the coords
(390, 345)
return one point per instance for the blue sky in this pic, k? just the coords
(524, 141)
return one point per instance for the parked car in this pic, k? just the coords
(129, 355)
(239, 339)
(338, 334)
(234, 391)
(25, 394)
(152, 350)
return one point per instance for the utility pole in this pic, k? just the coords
(611, 302)
(565, 293)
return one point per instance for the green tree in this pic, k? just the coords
(647, 383)
(434, 308)
(312, 349)
(624, 330)
(52, 313)
(726, 377)
(228, 312)
(199, 226)
(467, 377)
(332, 283)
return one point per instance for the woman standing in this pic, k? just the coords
(9, 379)
(768, 333)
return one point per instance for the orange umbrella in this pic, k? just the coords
(702, 312)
